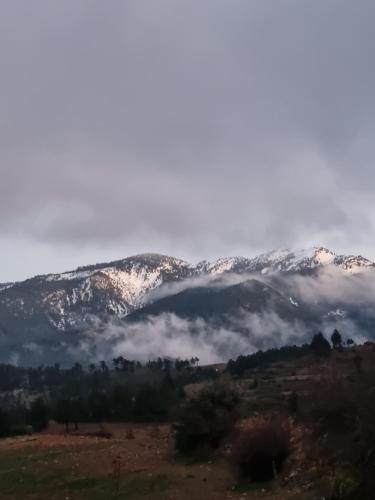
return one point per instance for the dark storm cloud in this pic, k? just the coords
(204, 128)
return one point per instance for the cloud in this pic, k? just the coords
(33, 347)
(168, 335)
(209, 280)
(196, 129)
(333, 286)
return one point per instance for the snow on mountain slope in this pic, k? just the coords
(353, 263)
(70, 300)
(285, 260)
(223, 265)
(4, 286)
(117, 288)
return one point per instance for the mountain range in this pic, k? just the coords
(312, 288)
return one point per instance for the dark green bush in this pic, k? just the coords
(206, 419)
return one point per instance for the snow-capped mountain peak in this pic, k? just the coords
(128, 279)
(287, 260)
(223, 265)
(293, 260)
(68, 300)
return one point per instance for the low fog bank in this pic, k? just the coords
(332, 284)
(336, 299)
(170, 336)
(341, 299)
(328, 284)
(212, 281)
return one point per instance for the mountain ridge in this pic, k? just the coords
(224, 264)
(121, 286)
(47, 308)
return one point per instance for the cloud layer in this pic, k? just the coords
(193, 128)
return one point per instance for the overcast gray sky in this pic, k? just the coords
(197, 128)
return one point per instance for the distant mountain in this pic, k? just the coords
(55, 308)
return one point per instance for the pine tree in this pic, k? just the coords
(320, 346)
(336, 339)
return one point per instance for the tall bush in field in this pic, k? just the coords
(207, 419)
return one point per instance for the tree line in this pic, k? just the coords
(34, 379)
(127, 391)
(319, 346)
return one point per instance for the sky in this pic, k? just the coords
(192, 128)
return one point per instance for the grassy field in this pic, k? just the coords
(81, 466)
(56, 466)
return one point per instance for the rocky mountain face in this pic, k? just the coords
(70, 299)
(60, 305)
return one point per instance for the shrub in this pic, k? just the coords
(207, 419)
(343, 421)
(260, 451)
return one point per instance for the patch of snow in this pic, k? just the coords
(132, 285)
(293, 302)
(324, 256)
(222, 265)
(6, 286)
(355, 264)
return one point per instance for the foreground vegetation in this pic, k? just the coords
(294, 423)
